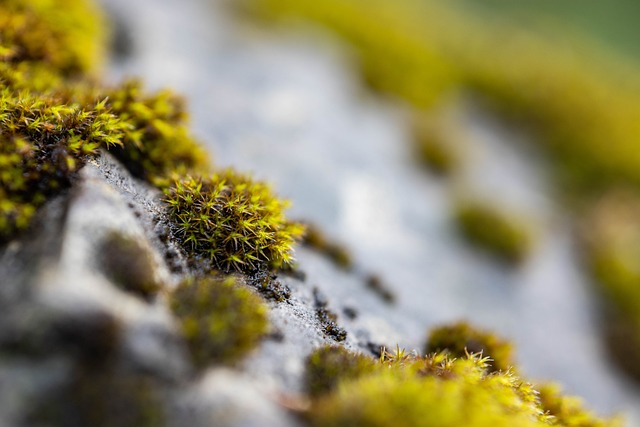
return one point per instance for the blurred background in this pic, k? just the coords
(472, 159)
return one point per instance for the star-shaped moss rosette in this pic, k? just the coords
(232, 220)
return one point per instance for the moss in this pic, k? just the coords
(610, 240)
(436, 139)
(582, 103)
(499, 233)
(431, 391)
(428, 51)
(129, 265)
(64, 35)
(461, 338)
(336, 252)
(220, 320)
(568, 410)
(44, 142)
(329, 365)
(156, 145)
(234, 221)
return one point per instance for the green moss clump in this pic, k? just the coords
(438, 391)
(431, 391)
(54, 117)
(157, 144)
(129, 265)
(220, 320)
(502, 235)
(461, 338)
(64, 36)
(436, 138)
(234, 221)
(44, 141)
(568, 410)
(329, 365)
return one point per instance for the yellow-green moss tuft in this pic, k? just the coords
(63, 35)
(44, 141)
(157, 144)
(329, 365)
(568, 410)
(433, 391)
(220, 319)
(234, 221)
(461, 338)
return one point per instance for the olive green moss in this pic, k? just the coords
(129, 265)
(506, 236)
(568, 410)
(335, 251)
(220, 319)
(234, 221)
(461, 338)
(610, 239)
(157, 144)
(329, 365)
(432, 391)
(44, 142)
(63, 35)
(436, 140)
(54, 118)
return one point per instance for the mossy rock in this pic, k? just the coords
(220, 319)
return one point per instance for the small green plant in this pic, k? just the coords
(503, 235)
(568, 410)
(232, 220)
(220, 319)
(461, 338)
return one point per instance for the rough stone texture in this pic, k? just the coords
(64, 325)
